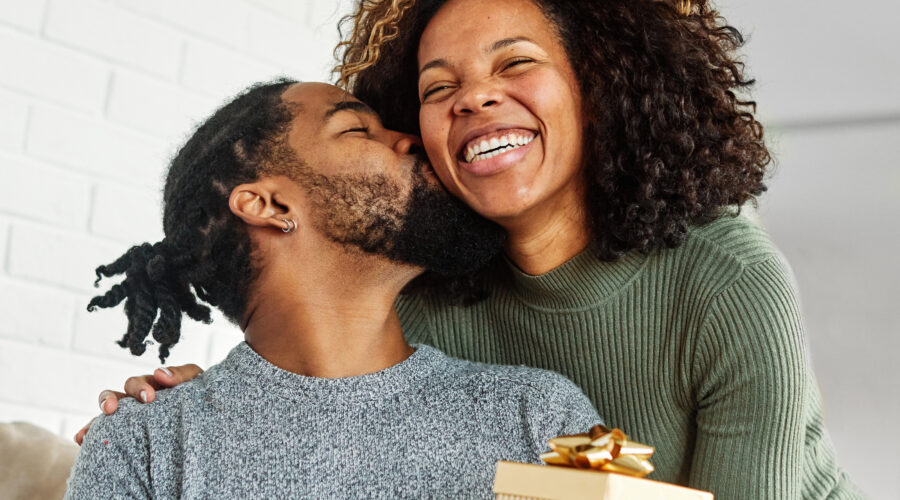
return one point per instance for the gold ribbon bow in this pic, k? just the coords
(601, 449)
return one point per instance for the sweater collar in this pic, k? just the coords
(408, 374)
(584, 281)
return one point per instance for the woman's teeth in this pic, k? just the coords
(486, 149)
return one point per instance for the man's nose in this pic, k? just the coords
(406, 144)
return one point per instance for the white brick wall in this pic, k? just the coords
(221, 21)
(125, 213)
(104, 29)
(52, 328)
(44, 193)
(215, 70)
(156, 107)
(94, 145)
(95, 95)
(37, 67)
(14, 110)
(25, 15)
(59, 257)
(4, 242)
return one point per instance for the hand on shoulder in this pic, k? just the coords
(142, 388)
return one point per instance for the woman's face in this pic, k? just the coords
(501, 110)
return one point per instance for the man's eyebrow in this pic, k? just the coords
(349, 105)
(499, 44)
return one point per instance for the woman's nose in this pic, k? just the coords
(477, 98)
(405, 144)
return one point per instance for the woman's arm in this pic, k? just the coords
(758, 416)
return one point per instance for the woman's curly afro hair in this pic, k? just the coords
(669, 141)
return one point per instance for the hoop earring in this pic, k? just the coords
(291, 226)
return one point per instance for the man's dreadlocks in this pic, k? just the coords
(206, 252)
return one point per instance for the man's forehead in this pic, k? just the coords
(321, 100)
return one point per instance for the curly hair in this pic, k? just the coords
(206, 253)
(669, 140)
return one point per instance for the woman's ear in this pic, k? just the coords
(259, 204)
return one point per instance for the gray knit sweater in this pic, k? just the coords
(429, 427)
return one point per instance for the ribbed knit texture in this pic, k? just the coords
(429, 427)
(698, 351)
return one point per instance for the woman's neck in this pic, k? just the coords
(545, 238)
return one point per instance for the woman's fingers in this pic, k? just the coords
(175, 375)
(143, 388)
(109, 402)
(79, 436)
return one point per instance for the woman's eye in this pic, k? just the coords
(516, 62)
(364, 130)
(434, 90)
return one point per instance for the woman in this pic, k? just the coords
(622, 155)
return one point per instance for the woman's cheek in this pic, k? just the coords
(434, 132)
(435, 141)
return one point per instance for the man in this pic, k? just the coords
(299, 216)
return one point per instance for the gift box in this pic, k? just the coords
(601, 464)
(515, 481)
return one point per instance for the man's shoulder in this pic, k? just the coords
(168, 404)
(508, 379)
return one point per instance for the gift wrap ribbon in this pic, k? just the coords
(601, 449)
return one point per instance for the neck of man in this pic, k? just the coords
(332, 316)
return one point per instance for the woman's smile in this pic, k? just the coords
(490, 153)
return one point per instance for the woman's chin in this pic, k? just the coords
(507, 213)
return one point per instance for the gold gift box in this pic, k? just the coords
(515, 481)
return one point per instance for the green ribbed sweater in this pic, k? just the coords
(698, 351)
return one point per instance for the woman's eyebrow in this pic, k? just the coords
(437, 63)
(499, 44)
(506, 42)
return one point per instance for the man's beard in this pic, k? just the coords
(429, 228)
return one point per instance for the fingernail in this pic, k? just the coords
(166, 371)
(144, 396)
(103, 404)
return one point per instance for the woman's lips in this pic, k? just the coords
(497, 163)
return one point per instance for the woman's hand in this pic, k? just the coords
(143, 388)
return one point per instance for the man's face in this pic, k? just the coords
(370, 190)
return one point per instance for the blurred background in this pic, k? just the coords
(95, 95)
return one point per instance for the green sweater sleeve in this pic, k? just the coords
(750, 375)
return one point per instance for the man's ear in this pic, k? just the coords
(260, 204)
